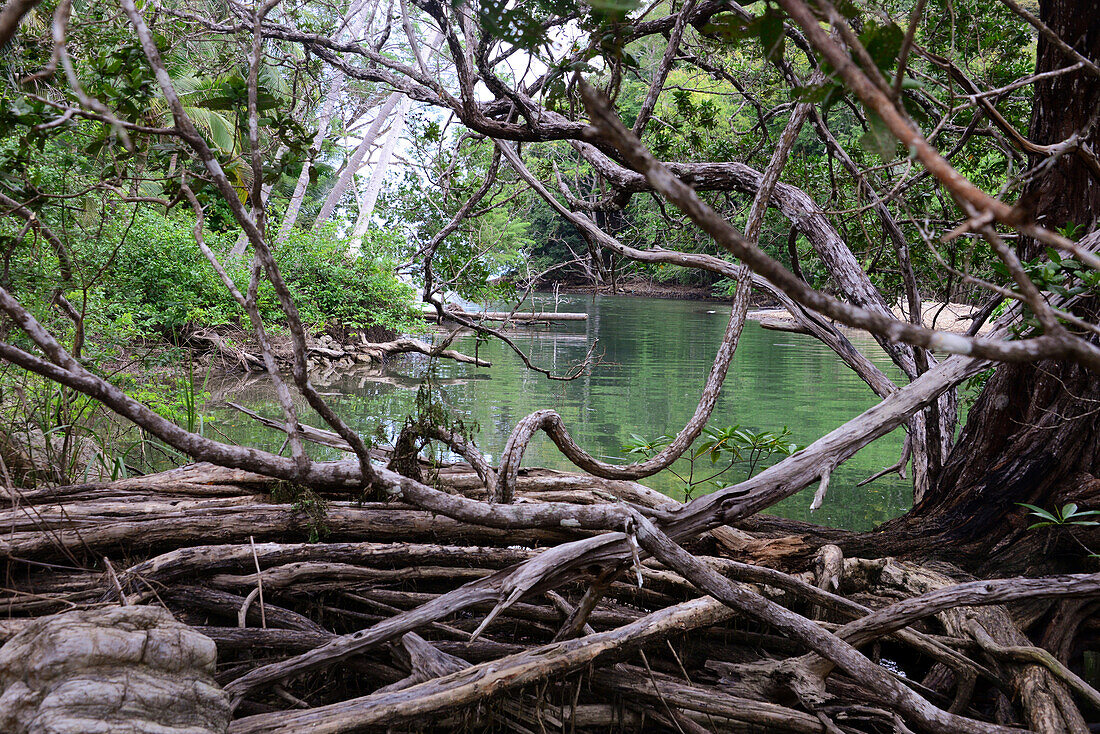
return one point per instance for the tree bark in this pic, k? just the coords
(374, 186)
(356, 160)
(357, 17)
(1034, 434)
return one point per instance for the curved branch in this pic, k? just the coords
(606, 126)
(970, 198)
(742, 599)
(255, 235)
(565, 562)
(10, 16)
(550, 422)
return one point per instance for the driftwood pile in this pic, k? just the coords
(325, 355)
(327, 612)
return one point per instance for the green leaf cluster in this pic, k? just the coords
(1068, 514)
(725, 448)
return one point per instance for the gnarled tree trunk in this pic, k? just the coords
(1034, 434)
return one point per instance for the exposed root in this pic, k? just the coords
(323, 355)
(365, 634)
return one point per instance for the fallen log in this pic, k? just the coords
(487, 679)
(378, 351)
(660, 689)
(507, 316)
(45, 532)
(189, 533)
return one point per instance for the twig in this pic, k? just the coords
(122, 600)
(259, 582)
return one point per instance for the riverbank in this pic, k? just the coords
(640, 287)
(954, 318)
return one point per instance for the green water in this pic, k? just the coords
(654, 356)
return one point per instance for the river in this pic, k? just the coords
(653, 358)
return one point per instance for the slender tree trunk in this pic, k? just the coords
(378, 174)
(356, 20)
(1034, 434)
(356, 161)
(299, 195)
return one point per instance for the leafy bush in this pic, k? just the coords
(158, 282)
(360, 293)
(726, 448)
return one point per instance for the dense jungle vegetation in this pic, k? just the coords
(299, 188)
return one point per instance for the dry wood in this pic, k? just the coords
(518, 316)
(890, 692)
(372, 583)
(658, 689)
(325, 594)
(487, 679)
(50, 532)
(377, 351)
(559, 564)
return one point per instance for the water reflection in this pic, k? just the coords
(654, 356)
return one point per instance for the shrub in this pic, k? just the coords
(158, 282)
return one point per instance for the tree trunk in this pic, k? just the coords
(356, 160)
(374, 186)
(358, 17)
(1034, 434)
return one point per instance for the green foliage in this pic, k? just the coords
(878, 139)
(767, 28)
(307, 503)
(80, 441)
(158, 282)
(1066, 516)
(725, 448)
(1052, 273)
(361, 292)
(430, 413)
(180, 398)
(973, 386)
(1063, 276)
(1069, 514)
(523, 24)
(473, 258)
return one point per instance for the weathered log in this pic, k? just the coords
(424, 662)
(251, 638)
(229, 605)
(509, 316)
(1045, 700)
(406, 345)
(602, 617)
(199, 560)
(657, 688)
(892, 693)
(344, 584)
(482, 681)
(200, 479)
(51, 532)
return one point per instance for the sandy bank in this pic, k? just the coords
(951, 317)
